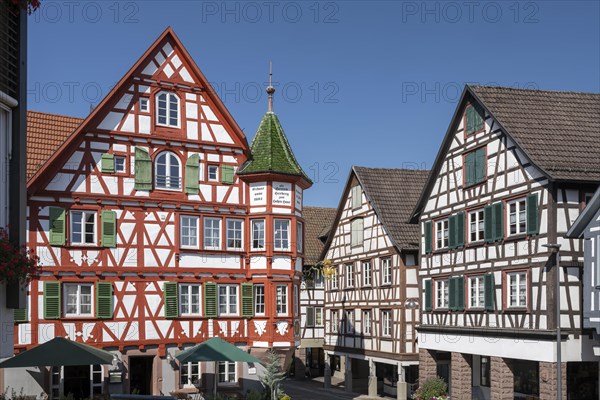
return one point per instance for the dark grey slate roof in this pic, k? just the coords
(393, 193)
(560, 131)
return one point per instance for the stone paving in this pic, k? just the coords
(313, 390)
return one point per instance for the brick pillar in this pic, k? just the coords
(427, 365)
(548, 389)
(460, 378)
(502, 379)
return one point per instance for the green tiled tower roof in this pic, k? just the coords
(271, 152)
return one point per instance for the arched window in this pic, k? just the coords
(167, 171)
(167, 109)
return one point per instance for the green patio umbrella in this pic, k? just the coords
(58, 352)
(215, 350)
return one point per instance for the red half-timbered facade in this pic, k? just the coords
(159, 227)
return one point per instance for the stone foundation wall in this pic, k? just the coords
(427, 365)
(461, 376)
(548, 386)
(501, 379)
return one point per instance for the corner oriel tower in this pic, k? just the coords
(275, 184)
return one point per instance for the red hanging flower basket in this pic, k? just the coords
(17, 263)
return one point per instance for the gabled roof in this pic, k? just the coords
(393, 194)
(167, 36)
(45, 134)
(586, 216)
(558, 131)
(271, 152)
(316, 220)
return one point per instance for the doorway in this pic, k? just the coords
(140, 375)
(77, 381)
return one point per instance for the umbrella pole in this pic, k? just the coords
(216, 379)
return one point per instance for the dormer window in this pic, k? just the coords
(167, 109)
(167, 171)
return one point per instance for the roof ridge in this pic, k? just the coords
(508, 88)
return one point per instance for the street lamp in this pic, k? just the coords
(555, 248)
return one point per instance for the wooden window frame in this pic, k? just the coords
(506, 290)
(257, 295)
(228, 298)
(180, 294)
(384, 276)
(282, 300)
(370, 274)
(507, 203)
(198, 235)
(78, 313)
(287, 248)
(383, 324)
(446, 291)
(258, 239)
(219, 236)
(227, 230)
(335, 322)
(208, 170)
(168, 100)
(482, 221)
(349, 276)
(84, 211)
(167, 176)
(435, 231)
(187, 367)
(335, 279)
(481, 286)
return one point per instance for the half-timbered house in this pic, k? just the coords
(310, 358)
(13, 106)
(512, 174)
(158, 227)
(587, 227)
(371, 301)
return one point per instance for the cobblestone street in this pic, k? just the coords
(313, 390)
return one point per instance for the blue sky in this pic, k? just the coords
(359, 83)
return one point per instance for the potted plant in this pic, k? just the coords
(432, 389)
(18, 266)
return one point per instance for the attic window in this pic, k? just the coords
(473, 119)
(167, 109)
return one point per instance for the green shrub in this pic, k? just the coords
(432, 388)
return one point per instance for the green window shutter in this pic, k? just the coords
(104, 300)
(109, 228)
(428, 238)
(460, 229)
(210, 300)
(488, 288)
(107, 163)
(460, 293)
(452, 294)
(247, 300)
(487, 220)
(171, 299)
(478, 117)
(470, 120)
(192, 167)
(480, 165)
(57, 226)
(20, 315)
(227, 174)
(51, 300)
(452, 232)
(469, 169)
(532, 214)
(428, 295)
(143, 169)
(498, 220)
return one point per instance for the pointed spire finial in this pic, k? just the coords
(270, 88)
